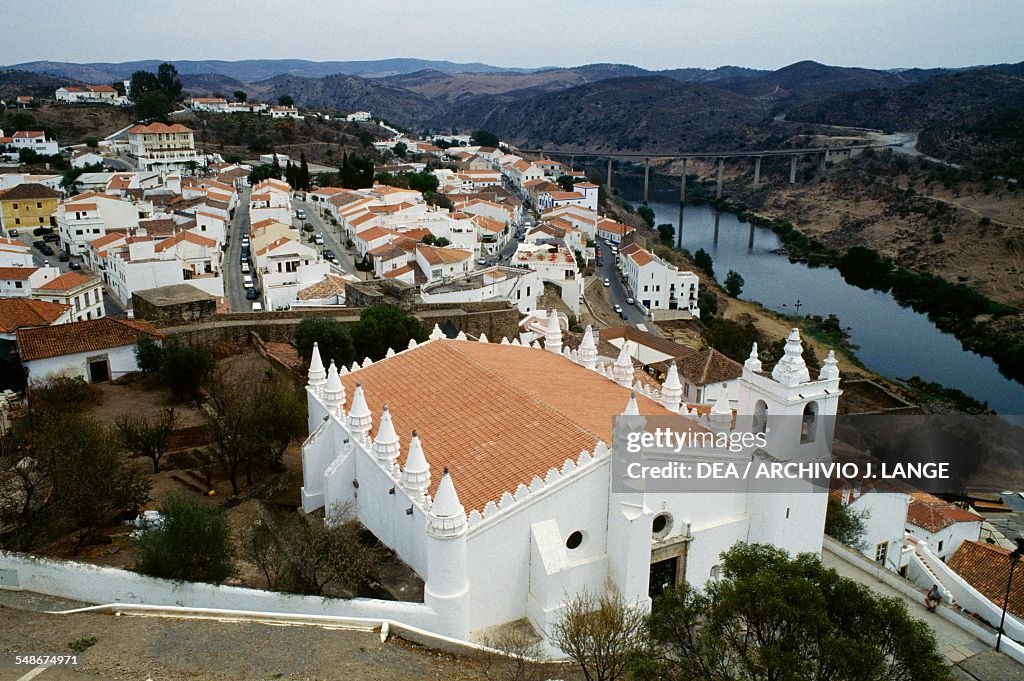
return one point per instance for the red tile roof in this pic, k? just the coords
(157, 128)
(933, 514)
(987, 569)
(68, 281)
(17, 313)
(16, 273)
(29, 190)
(94, 334)
(495, 415)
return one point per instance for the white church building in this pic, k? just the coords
(486, 467)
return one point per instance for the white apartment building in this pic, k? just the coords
(19, 282)
(87, 217)
(88, 94)
(159, 146)
(271, 200)
(554, 263)
(656, 285)
(83, 293)
(34, 140)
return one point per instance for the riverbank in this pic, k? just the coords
(874, 337)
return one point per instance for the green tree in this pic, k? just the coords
(260, 173)
(776, 617)
(193, 543)
(303, 178)
(286, 100)
(332, 337)
(147, 437)
(184, 368)
(565, 182)
(666, 232)
(400, 149)
(168, 81)
(153, 104)
(647, 213)
(91, 142)
(241, 95)
(384, 326)
(441, 242)
(484, 138)
(702, 259)
(845, 525)
(734, 283)
(142, 82)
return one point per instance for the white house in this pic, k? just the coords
(98, 350)
(14, 253)
(554, 263)
(19, 282)
(271, 200)
(135, 266)
(214, 104)
(86, 158)
(941, 524)
(658, 287)
(285, 266)
(86, 217)
(34, 140)
(87, 94)
(884, 513)
(83, 293)
(611, 231)
(502, 495)
(283, 112)
(443, 263)
(359, 116)
(518, 286)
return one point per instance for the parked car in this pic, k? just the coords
(247, 281)
(617, 307)
(257, 307)
(319, 239)
(46, 250)
(300, 214)
(630, 301)
(38, 244)
(308, 227)
(12, 233)
(245, 266)
(51, 238)
(607, 282)
(329, 255)
(63, 257)
(622, 315)
(74, 265)
(39, 231)
(252, 294)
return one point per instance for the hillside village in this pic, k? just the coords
(459, 333)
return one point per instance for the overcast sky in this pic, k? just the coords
(649, 33)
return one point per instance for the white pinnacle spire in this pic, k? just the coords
(437, 333)
(632, 409)
(482, 338)
(721, 414)
(334, 391)
(672, 390)
(386, 444)
(360, 419)
(791, 369)
(588, 349)
(753, 362)
(317, 376)
(830, 369)
(622, 370)
(416, 474)
(447, 516)
(553, 334)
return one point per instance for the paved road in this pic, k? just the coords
(239, 225)
(332, 237)
(616, 293)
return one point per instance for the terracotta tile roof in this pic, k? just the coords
(987, 568)
(68, 281)
(106, 240)
(331, 285)
(362, 219)
(640, 256)
(495, 415)
(29, 190)
(394, 274)
(487, 224)
(75, 337)
(274, 244)
(16, 313)
(262, 224)
(28, 134)
(13, 244)
(933, 514)
(613, 227)
(371, 233)
(707, 367)
(16, 273)
(158, 226)
(441, 256)
(154, 128)
(191, 237)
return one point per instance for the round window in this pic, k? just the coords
(661, 525)
(574, 540)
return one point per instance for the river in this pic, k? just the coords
(892, 340)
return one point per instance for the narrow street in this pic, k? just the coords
(332, 236)
(232, 269)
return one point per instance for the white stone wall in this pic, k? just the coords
(121, 361)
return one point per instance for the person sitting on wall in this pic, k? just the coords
(933, 598)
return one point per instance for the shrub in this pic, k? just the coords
(193, 543)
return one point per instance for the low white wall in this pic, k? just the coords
(102, 585)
